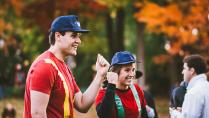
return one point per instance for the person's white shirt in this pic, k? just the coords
(175, 112)
(196, 100)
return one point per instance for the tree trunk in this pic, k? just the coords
(140, 48)
(140, 53)
(115, 38)
(109, 30)
(120, 30)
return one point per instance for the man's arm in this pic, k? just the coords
(39, 102)
(84, 101)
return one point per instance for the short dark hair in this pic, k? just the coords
(197, 62)
(116, 68)
(52, 37)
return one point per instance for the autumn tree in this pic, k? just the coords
(185, 24)
(10, 50)
(16, 41)
(115, 24)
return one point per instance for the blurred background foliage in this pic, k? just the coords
(159, 32)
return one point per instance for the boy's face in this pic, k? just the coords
(127, 73)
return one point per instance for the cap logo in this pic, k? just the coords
(78, 23)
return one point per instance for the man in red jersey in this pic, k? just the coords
(51, 91)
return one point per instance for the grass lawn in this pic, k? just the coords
(161, 105)
(17, 103)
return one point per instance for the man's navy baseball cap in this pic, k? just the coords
(123, 57)
(67, 23)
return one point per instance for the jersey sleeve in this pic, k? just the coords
(42, 77)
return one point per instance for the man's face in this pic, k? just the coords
(69, 43)
(187, 72)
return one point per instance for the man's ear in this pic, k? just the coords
(193, 71)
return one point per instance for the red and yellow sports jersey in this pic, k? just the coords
(58, 83)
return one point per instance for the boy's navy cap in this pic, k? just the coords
(67, 23)
(123, 57)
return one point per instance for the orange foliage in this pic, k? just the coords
(159, 59)
(68, 4)
(138, 4)
(1, 26)
(49, 9)
(97, 6)
(187, 38)
(184, 23)
(171, 30)
(17, 5)
(94, 8)
(175, 48)
(154, 15)
(4, 26)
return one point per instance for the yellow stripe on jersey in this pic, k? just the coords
(67, 96)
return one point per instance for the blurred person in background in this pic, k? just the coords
(9, 111)
(148, 96)
(19, 80)
(51, 90)
(207, 73)
(1, 89)
(196, 100)
(177, 99)
(178, 93)
(120, 98)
